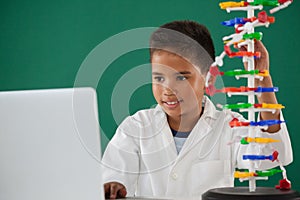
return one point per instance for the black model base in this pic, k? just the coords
(242, 193)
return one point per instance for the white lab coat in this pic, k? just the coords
(142, 154)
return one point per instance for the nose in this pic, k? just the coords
(170, 89)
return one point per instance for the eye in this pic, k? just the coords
(181, 78)
(158, 79)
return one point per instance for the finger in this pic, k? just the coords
(241, 48)
(106, 187)
(114, 188)
(122, 193)
(107, 190)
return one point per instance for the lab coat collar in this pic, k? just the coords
(201, 129)
(209, 108)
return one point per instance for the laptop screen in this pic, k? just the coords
(50, 145)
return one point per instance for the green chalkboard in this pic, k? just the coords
(103, 44)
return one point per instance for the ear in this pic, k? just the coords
(212, 80)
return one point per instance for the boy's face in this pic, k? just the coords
(177, 85)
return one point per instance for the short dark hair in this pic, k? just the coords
(187, 39)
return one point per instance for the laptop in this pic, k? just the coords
(50, 145)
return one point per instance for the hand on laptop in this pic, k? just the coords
(114, 190)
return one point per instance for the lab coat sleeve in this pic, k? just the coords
(120, 162)
(283, 147)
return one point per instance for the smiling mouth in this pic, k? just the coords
(172, 104)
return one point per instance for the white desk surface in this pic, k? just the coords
(139, 198)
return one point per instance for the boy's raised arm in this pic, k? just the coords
(263, 63)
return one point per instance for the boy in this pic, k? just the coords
(179, 149)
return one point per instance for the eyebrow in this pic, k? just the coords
(156, 73)
(183, 72)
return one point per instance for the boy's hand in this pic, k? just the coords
(261, 63)
(114, 190)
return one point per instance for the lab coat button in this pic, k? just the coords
(174, 175)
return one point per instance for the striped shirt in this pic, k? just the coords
(179, 138)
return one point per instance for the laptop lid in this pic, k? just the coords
(50, 145)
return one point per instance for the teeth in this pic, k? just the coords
(172, 103)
